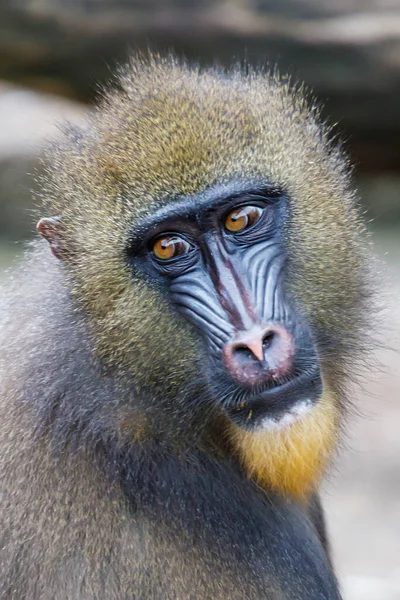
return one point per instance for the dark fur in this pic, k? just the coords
(87, 515)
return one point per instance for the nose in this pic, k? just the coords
(261, 354)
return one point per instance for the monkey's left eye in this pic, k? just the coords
(243, 217)
(170, 246)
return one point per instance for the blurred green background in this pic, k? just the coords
(55, 53)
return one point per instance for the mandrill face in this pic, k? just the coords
(221, 260)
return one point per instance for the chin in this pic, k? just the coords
(280, 406)
(287, 418)
(289, 450)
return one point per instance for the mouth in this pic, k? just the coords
(277, 407)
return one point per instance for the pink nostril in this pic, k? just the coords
(260, 354)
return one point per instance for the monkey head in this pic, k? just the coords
(209, 233)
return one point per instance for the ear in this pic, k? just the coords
(49, 228)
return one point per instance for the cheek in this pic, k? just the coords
(135, 330)
(324, 275)
(156, 345)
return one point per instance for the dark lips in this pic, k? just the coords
(275, 402)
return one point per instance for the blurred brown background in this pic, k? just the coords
(53, 55)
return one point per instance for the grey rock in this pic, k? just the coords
(348, 51)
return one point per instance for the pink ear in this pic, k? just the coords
(49, 229)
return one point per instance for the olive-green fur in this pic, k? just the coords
(170, 131)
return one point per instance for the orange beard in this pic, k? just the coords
(291, 460)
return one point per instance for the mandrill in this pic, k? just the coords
(173, 374)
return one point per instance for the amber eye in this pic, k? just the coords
(242, 217)
(169, 246)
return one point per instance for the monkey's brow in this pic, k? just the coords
(189, 206)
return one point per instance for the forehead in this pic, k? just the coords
(173, 132)
(177, 139)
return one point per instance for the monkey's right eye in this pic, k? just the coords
(170, 246)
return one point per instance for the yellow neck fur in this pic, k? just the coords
(291, 460)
